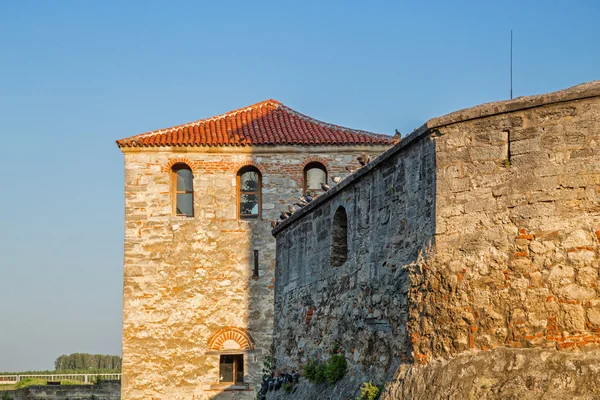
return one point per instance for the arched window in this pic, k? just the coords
(315, 173)
(249, 197)
(183, 190)
(339, 239)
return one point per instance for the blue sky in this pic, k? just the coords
(75, 76)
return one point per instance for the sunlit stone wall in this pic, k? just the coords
(189, 290)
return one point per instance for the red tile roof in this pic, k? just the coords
(266, 123)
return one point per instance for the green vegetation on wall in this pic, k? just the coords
(331, 371)
(369, 391)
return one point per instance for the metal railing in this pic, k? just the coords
(83, 378)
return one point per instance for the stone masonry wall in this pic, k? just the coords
(517, 234)
(481, 230)
(185, 279)
(362, 304)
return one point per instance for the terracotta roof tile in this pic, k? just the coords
(266, 123)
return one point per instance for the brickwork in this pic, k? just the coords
(188, 284)
(478, 231)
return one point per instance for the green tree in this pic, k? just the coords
(85, 361)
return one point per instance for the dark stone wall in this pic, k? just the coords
(361, 305)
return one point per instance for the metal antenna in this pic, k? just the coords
(511, 40)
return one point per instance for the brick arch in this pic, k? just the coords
(238, 335)
(180, 160)
(314, 159)
(241, 165)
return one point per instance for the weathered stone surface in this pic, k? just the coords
(455, 242)
(361, 304)
(502, 373)
(186, 279)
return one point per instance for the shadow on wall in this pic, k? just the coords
(346, 267)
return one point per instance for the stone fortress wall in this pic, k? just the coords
(478, 232)
(362, 304)
(187, 280)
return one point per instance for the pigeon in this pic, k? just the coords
(295, 377)
(363, 159)
(336, 179)
(264, 386)
(284, 215)
(351, 170)
(396, 138)
(307, 198)
(325, 186)
(300, 205)
(291, 208)
(273, 224)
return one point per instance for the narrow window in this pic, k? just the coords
(249, 193)
(314, 175)
(183, 190)
(255, 273)
(231, 369)
(339, 240)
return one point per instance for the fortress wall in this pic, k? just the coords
(360, 305)
(481, 230)
(517, 250)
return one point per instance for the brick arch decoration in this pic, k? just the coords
(314, 159)
(241, 165)
(238, 335)
(181, 160)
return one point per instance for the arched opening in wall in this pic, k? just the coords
(315, 174)
(229, 342)
(339, 239)
(249, 185)
(183, 190)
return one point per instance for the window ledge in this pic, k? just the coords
(230, 386)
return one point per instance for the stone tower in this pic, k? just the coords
(199, 255)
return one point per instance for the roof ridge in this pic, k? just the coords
(217, 117)
(327, 124)
(268, 122)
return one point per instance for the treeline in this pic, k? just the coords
(65, 371)
(84, 361)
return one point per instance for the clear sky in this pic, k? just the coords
(77, 75)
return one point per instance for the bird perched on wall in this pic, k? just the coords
(284, 215)
(396, 138)
(275, 223)
(307, 198)
(336, 179)
(291, 208)
(363, 159)
(300, 204)
(295, 376)
(350, 170)
(325, 186)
